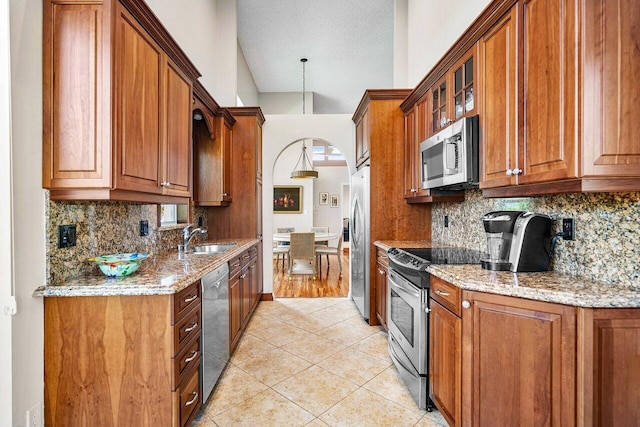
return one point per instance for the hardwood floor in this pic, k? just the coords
(328, 284)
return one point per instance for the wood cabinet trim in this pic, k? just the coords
(248, 111)
(207, 100)
(377, 95)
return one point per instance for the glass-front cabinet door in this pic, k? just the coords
(463, 96)
(439, 116)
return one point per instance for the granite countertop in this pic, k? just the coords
(546, 286)
(168, 273)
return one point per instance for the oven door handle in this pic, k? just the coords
(399, 286)
(397, 357)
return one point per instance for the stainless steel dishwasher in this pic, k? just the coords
(215, 328)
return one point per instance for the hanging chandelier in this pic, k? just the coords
(304, 167)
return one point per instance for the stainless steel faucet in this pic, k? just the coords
(187, 235)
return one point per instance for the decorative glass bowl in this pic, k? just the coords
(119, 265)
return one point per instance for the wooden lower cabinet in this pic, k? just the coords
(445, 362)
(511, 361)
(518, 362)
(122, 360)
(609, 367)
(381, 286)
(245, 290)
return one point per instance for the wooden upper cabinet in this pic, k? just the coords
(138, 91)
(548, 91)
(178, 148)
(498, 119)
(411, 172)
(116, 104)
(363, 137)
(611, 91)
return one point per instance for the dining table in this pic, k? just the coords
(319, 237)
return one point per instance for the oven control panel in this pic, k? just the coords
(407, 260)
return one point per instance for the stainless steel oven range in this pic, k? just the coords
(408, 316)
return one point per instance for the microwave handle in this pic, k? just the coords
(451, 156)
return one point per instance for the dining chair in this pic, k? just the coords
(321, 243)
(282, 248)
(337, 251)
(303, 249)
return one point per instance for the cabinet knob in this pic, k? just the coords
(165, 184)
(517, 171)
(224, 194)
(466, 304)
(427, 310)
(509, 172)
(413, 190)
(381, 271)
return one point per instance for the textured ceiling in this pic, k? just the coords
(349, 44)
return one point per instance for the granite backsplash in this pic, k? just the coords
(607, 241)
(105, 228)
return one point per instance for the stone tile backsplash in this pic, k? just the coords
(607, 241)
(104, 228)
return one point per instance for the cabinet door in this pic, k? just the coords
(245, 289)
(445, 362)
(498, 121)
(178, 146)
(519, 362)
(138, 91)
(256, 290)
(228, 164)
(363, 134)
(610, 345)
(410, 154)
(463, 86)
(548, 93)
(381, 294)
(235, 312)
(440, 117)
(611, 129)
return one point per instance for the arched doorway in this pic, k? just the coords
(321, 203)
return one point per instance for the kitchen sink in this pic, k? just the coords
(213, 248)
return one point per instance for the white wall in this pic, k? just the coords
(28, 205)
(192, 29)
(285, 102)
(226, 65)
(247, 90)
(278, 132)
(6, 268)
(330, 180)
(433, 27)
(400, 52)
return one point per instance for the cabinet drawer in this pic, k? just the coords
(189, 399)
(245, 257)
(185, 300)
(234, 265)
(446, 294)
(382, 257)
(186, 360)
(186, 329)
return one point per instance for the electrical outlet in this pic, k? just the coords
(569, 228)
(34, 416)
(144, 227)
(66, 236)
(446, 221)
(200, 221)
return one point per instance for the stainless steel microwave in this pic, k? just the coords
(450, 158)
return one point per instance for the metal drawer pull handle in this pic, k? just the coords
(193, 356)
(192, 327)
(191, 298)
(444, 294)
(192, 401)
(381, 271)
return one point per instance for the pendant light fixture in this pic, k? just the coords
(304, 167)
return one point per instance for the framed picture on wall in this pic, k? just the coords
(324, 198)
(334, 201)
(287, 199)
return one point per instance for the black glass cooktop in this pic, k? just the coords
(412, 263)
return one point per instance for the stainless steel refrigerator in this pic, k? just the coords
(359, 246)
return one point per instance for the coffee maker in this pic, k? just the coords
(498, 227)
(531, 244)
(517, 241)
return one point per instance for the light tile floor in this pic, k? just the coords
(312, 362)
